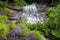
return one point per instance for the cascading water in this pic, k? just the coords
(32, 15)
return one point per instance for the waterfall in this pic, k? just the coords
(30, 12)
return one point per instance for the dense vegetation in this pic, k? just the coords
(4, 27)
(49, 29)
(24, 2)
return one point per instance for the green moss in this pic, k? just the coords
(3, 26)
(22, 23)
(25, 32)
(36, 26)
(12, 25)
(52, 12)
(8, 10)
(3, 18)
(39, 35)
(19, 2)
(3, 30)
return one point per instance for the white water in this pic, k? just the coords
(32, 15)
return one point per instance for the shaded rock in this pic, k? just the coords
(13, 16)
(42, 7)
(16, 34)
(32, 36)
(16, 8)
(3, 12)
(9, 21)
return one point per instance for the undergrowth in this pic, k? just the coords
(50, 27)
(4, 27)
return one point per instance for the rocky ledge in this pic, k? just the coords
(16, 33)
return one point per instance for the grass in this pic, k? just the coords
(12, 25)
(25, 32)
(39, 35)
(4, 28)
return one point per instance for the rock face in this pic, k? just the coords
(15, 34)
(3, 12)
(16, 8)
(14, 16)
(42, 7)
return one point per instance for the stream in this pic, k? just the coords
(30, 12)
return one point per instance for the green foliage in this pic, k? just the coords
(3, 26)
(30, 1)
(56, 33)
(3, 30)
(8, 10)
(39, 35)
(2, 6)
(53, 23)
(23, 23)
(50, 27)
(3, 18)
(36, 26)
(19, 2)
(25, 32)
(52, 12)
(12, 25)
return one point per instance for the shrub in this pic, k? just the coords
(36, 26)
(53, 23)
(3, 18)
(3, 26)
(22, 23)
(39, 35)
(19, 2)
(8, 10)
(3, 5)
(3, 30)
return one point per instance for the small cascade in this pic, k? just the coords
(30, 12)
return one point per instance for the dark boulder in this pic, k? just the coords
(16, 34)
